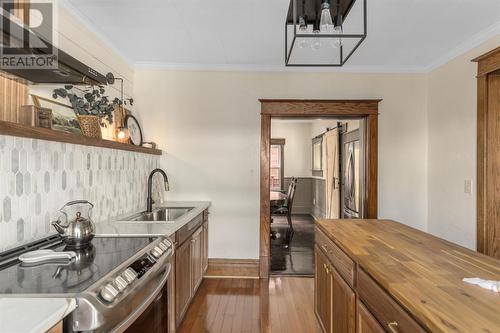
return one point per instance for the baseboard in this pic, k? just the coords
(233, 268)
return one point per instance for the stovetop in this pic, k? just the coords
(94, 262)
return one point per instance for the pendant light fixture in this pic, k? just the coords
(326, 23)
(323, 32)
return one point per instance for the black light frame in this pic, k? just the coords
(343, 60)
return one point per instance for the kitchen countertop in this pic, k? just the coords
(423, 273)
(33, 315)
(118, 227)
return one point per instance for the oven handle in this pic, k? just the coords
(121, 327)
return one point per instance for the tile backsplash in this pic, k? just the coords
(38, 177)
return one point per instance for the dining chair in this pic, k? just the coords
(286, 207)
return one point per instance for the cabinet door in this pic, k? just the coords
(366, 322)
(205, 246)
(343, 305)
(182, 280)
(322, 290)
(196, 259)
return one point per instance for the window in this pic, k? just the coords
(276, 172)
(317, 156)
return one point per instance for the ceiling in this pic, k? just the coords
(405, 35)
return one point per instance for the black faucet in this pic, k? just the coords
(149, 201)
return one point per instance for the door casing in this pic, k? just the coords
(290, 108)
(488, 215)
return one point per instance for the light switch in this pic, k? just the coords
(468, 186)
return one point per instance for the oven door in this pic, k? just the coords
(155, 318)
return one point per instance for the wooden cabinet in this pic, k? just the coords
(191, 260)
(322, 290)
(366, 322)
(383, 307)
(182, 280)
(205, 241)
(343, 305)
(196, 259)
(335, 301)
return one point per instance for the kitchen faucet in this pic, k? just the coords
(149, 201)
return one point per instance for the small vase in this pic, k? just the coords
(90, 126)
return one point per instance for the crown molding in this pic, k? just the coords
(466, 46)
(147, 65)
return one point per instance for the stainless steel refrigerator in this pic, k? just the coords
(352, 185)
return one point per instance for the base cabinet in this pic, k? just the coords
(191, 254)
(182, 280)
(343, 305)
(204, 238)
(323, 290)
(196, 259)
(366, 322)
(335, 301)
(341, 309)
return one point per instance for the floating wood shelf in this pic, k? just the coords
(13, 129)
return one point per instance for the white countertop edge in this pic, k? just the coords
(38, 314)
(120, 228)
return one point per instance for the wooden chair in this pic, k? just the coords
(286, 208)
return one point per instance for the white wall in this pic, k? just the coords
(452, 147)
(75, 38)
(297, 154)
(209, 125)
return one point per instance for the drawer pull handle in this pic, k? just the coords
(393, 327)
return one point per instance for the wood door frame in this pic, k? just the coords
(290, 108)
(487, 64)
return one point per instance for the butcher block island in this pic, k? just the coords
(383, 276)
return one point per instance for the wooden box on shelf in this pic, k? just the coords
(36, 116)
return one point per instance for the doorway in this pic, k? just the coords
(319, 162)
(366, 110)
(488, 153)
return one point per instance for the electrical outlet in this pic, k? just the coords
(468, 186)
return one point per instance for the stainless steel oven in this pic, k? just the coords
(120, 284)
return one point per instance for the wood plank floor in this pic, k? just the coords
(277, 305)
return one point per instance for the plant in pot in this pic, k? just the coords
(91, 106)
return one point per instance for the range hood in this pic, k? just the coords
(68, 70)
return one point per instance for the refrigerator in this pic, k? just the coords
(352, 198)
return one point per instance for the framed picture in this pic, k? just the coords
(63, 116)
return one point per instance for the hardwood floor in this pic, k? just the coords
(293, 253)
(277, 305)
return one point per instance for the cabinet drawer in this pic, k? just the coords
(341, 261)
(389, 313)
(187, 230)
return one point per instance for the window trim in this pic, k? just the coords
(280, 142)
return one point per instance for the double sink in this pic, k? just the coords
(160, 214)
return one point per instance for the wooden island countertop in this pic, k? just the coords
(423, 273)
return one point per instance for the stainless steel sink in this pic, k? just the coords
(164, 214)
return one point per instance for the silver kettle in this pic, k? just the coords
(78, 229)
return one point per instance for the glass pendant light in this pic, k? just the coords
(326, 23)
(303, 18)
(337, 25)
(316, 44)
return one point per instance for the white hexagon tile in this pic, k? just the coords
(38, 177)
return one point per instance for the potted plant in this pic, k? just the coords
(91, 106)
